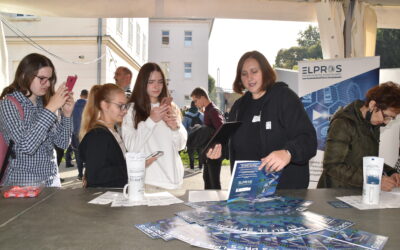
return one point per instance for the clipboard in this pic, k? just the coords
(222, 135)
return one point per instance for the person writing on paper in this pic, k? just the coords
(275, 127)
(101, 148)
(36, 132)
(152, 125)
(354, 133)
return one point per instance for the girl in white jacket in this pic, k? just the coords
(152, 124)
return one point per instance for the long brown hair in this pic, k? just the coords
(140, 97)
(91, 112)
(268, 73)
(27, 70)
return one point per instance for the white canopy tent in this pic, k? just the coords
(364, 16)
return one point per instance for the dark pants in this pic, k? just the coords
(211, 174)
(60, 154)
(191, 152)
(68, 156)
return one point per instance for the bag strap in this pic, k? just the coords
(10, 151)
(17, 105)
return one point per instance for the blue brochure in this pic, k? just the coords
(249, 183)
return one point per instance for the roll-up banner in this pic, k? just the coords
(326, 85)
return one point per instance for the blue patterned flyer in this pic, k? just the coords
(249, 183)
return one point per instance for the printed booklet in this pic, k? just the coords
(248, 183)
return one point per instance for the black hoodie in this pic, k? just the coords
(284, 124)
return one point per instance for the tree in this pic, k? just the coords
(309, 37)
(212, 92)
(309, 47)
(388, 47)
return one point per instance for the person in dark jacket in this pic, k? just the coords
(76, 119)
(214, 119)
(102, 149)
(354, 133)
(275, 127)
(193, 118)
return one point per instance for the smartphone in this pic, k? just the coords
(71, 82)
(166, 100)
(155, 154)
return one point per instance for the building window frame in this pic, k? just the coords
(187, 69)
(165, 37)
(188, 38)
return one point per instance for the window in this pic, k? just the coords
(165, 69)
(165, 37)
(120, 25)
(188, 70)
(137, 39)
(188, 38)
(130, 32)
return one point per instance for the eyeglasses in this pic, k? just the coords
(122, 107)
(43, 80)
(387, 118)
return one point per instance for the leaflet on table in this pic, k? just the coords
(357, 237)
(273, 205)
(215, 238)
(297, 223)
(161, 228)
(207, 195)
(249, 183)
(105, 198)
(386, 200)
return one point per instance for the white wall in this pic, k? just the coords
(72, 38)
(177, 54)
(86, 73)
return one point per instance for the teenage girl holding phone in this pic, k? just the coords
(153, 124)
(36, 132)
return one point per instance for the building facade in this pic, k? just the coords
(73, 44)
(180, 47)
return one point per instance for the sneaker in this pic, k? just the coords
(79, 178)
(69, 166)
(62, 180)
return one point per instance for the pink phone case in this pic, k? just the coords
(71, 82)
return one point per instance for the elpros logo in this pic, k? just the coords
(321, 71)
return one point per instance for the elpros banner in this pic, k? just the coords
(325, 86)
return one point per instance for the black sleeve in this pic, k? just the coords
(103, 166)
(302, 138)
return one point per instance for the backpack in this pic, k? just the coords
(6, 148)
(195, 120)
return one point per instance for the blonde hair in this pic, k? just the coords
(91, 113)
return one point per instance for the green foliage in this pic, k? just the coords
(309, 47)
(388, 47)
(212, 92)
(185, 159)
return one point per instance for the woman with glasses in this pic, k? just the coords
(354, 133)
(35, 130)
(152, 125)
(101, 149)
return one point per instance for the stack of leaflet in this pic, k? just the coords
(259, 222)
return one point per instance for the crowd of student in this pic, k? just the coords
(35, 118)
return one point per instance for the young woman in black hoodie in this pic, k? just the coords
(275, 127)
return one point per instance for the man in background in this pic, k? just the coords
(123, 77)
(76, 122)
(212, 118)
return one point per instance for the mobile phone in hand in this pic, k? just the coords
(71, 82)
(155, 154)
(166, 100)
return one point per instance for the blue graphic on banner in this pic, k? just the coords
(322, 104)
